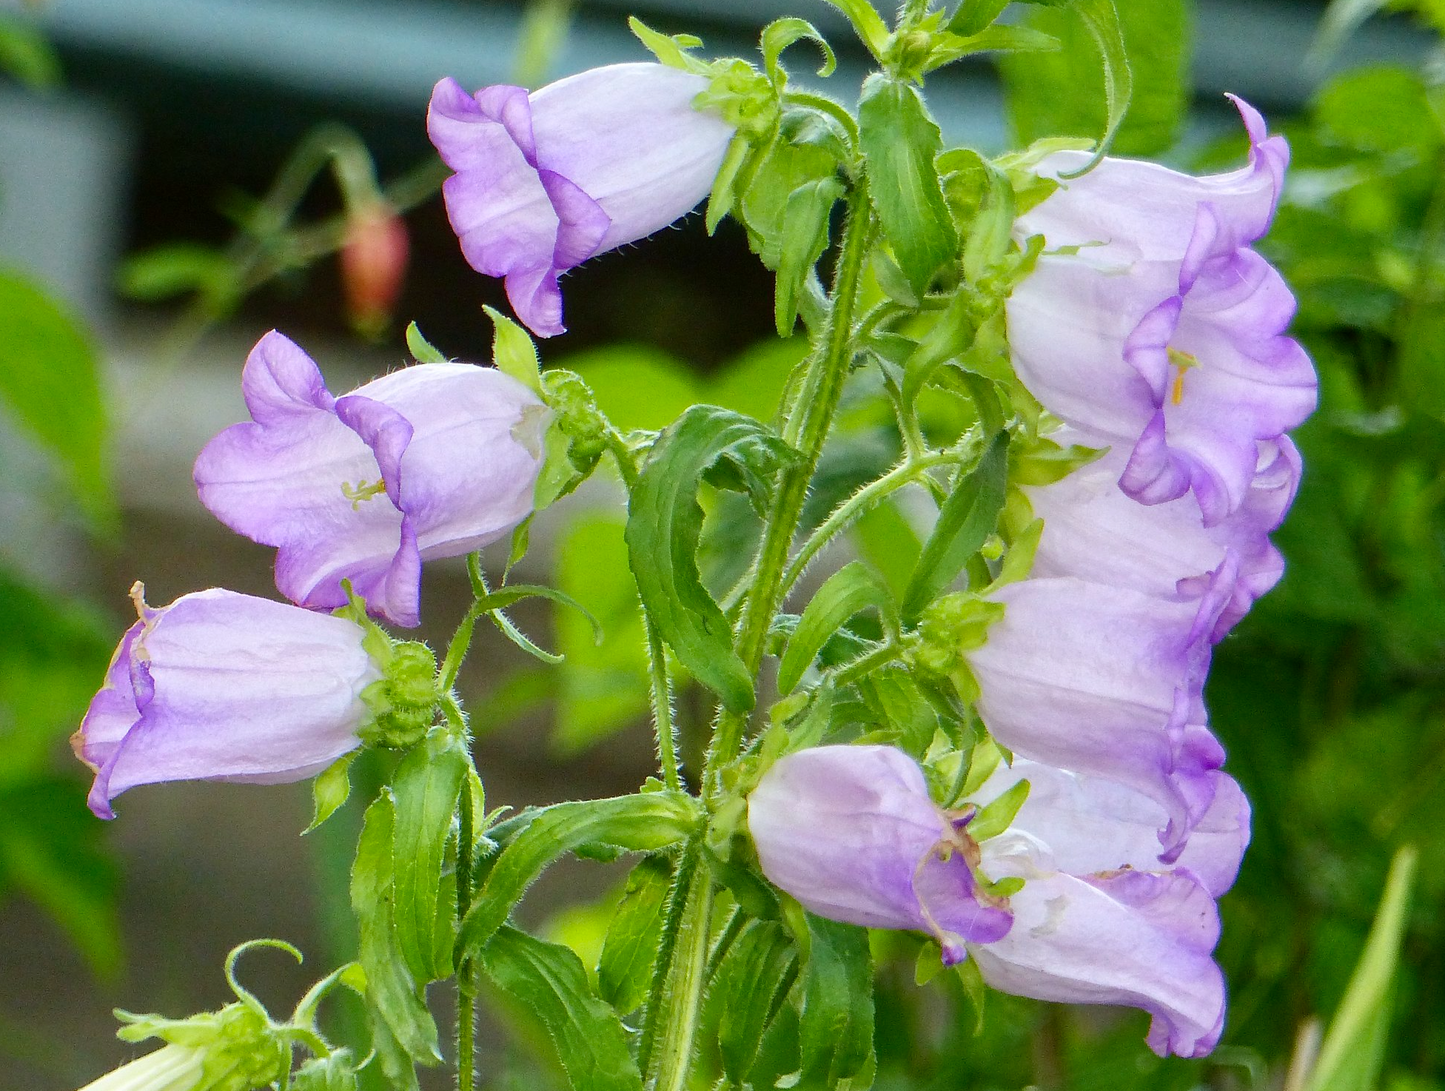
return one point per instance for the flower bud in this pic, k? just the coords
(373, 267)
(547, 180)
(434, 460)
(224, 686)
(170, 1068)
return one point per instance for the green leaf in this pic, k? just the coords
(965, 521)
(164, 272)
(399, 1013)
(426, 787)
(50, 378)
(624, 970)
(331, 789)
(802, 242)
(1145, 53)
(27, 55)
(1383, 108)
(783, 169)
(334, 1073)
(973, 16)
(1353, 1051)
(638, 823)
(422, 350)
(750, 987)
(724, 192)
(549, 983)
(852, 588)
(899, 141)
(503, 597)
(781, 33)
(663, 526)
(835, 1025)
(671, 50)
(901, 707)
(868, 24)
(513, 351)
(948, 48)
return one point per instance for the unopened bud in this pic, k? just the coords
(373, 267)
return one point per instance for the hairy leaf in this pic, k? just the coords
(835, 1025)
(852, 588)
(751, 985)
(629, 952)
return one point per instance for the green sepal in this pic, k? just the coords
(929, 963)
(649, 822)
(330, 789)
(425, 788)
(950, 626)
(724, 192)
(513, 351)
(1018, 562)
(336, 1072)
(967, 518)
(422, 350)
(947, 48)
(781, 33)
(549, 984)
(670, 49)
(403, 702)
(975, 989)
(872, 31)
(899, 141)
(802, 242)
(997, 816)
(664, 526)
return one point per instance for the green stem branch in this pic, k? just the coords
(806, 430)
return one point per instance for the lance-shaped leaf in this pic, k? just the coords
(663, 525)
(835, 1024)
(1354, 1049)
(751, 985)
(645, 822)
(624, 969)
(392, 995)
(899, 141)
(871, 28)
(426, 787)
(548, 982)
(852, 588)
(965, 521)
(973, 16)
(802, 242)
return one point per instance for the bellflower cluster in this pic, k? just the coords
(433, 460)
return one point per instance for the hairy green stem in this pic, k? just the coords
(466, 972)
(857, 668)
(862, 501)
(668, 1067)
(806, 430)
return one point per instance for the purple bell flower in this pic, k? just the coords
(851, 833)
(1109, 681)
(1094, 531)
(1150, 323)
(1099, 920)
(547, 180)
(224, 686)
(434, 460)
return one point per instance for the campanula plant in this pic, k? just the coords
(1001, 747)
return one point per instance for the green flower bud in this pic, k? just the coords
(576, 417)
(403, 702)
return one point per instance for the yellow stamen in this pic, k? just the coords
(367, 490)
(1183, 361)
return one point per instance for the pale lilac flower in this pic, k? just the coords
(224, 686)
(434, 460)
(170, 1068)
(1150, 323)
(851, 833)
(1095, 531)
(545, 181)
(1109, 681)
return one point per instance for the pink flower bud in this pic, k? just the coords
(373, 267)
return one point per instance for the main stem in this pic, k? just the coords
(466, 972)
(806, 430)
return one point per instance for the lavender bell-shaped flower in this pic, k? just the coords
(1175, 342)
(1098, 919)
(434, 460)
(547, 180)
(1109, 681)
(224, 686)
(1093, 530)
(851, 833)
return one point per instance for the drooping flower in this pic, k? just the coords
(224, 686)
(1109, 681)
(545, 181)
(1099, 920)
(1093, 530)
(1149, 322)
(851, 832)
(374, 257)
(434, 460)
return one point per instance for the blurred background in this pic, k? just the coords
(167, 196)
